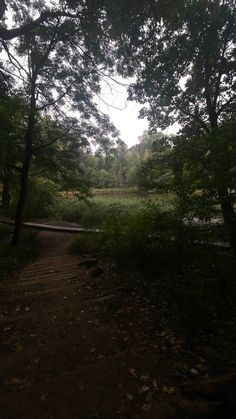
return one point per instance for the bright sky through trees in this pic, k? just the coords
(124, 113)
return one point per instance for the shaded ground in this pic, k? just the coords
(78, 346)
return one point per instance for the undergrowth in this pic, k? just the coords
(198, 280)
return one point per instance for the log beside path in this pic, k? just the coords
(76, 230)
(55, 228)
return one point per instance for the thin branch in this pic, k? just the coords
(99, 71)
(12, 58)
(53, 102)
(14, 75)
(222, 108)
(221, 66)
(55, 139)
(112, 106)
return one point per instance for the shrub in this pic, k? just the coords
(87, 245)
(41, 199)
(131, 234)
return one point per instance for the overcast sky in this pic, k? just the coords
(123, 113)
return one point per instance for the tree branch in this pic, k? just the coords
(222, 108)
(53, 102)
(196, 117)
(55, 139)
(12, 58)
(8, 34)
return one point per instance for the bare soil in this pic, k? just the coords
(84, 347)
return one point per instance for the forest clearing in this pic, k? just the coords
(117, 209)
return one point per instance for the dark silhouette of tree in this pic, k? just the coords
(185, 71)
(59, 71)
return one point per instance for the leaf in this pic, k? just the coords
(154, 383)
(129, 396)
(18, 347)
(144, 377)
(132, 371)
(171, 390)
(13, 380)
(143, 389)
(146, 407)
(194, 371)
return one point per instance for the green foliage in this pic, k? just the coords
(117, 192)
(155, 172)
(197, 279)
(185, 73)
(96, 211)
(41, 200)
(89, 244)
(199, 46)
(133, 233)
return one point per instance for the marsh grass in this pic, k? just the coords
(98, 210)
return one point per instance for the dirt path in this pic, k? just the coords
(74, 346)
(60, 357)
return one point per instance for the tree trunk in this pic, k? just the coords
(6, 197)
(226, 204)
(26, 165)
(229, 215)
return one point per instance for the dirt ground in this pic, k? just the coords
(84, 343)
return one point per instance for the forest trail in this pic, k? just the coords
(52, 358)
(82, 346)
(60, 356)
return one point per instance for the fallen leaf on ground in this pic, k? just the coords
(129, 396)
(146, 407)
(154, 382)
(132, 371)
(143, 389)
(194, 371)
(144, 377)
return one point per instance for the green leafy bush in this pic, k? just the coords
(41, 200)
(89, 244)
(131, 234)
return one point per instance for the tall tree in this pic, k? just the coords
(124, 19)
(12, 127)
(186, 73)
(59, 71)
